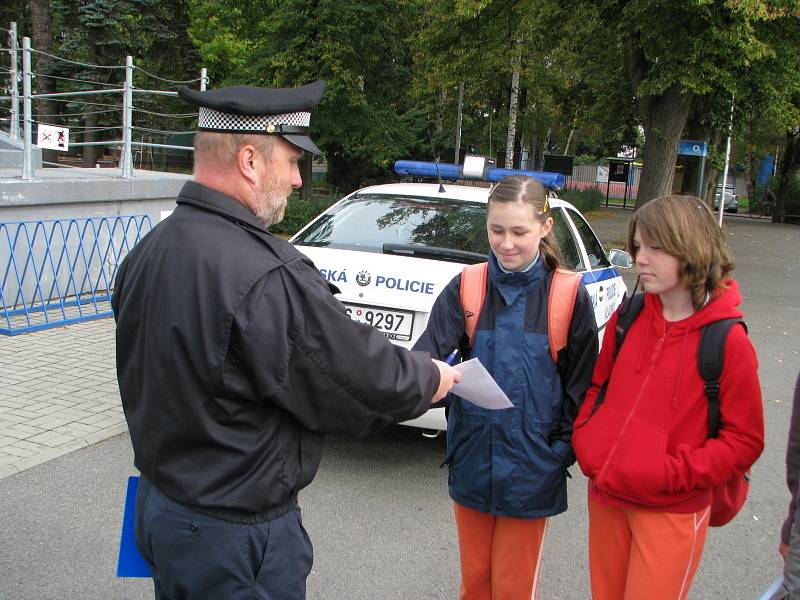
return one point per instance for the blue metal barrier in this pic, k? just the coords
(53, 273)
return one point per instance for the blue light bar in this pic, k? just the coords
(451, 172)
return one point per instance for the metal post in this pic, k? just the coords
(27, 120)
(702, 177)
(725, 172)
(126, 157)
(14, 75)
(203, 79)
(459, 117)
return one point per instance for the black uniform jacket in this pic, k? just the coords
(234, 357)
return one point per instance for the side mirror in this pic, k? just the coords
(620, 258)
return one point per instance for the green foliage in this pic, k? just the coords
(792, 199)
(591, 70)
(299, 212)
(104, 32)
(584, 200)
(366, 119)
(588, 159)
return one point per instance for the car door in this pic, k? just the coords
(583, 252)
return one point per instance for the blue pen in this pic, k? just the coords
(452, 357)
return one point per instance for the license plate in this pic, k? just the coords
(394, 324)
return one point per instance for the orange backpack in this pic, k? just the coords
(560, 302)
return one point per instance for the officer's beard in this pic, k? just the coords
(271, 198)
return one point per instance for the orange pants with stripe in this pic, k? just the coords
(636, 554)
(499, 555)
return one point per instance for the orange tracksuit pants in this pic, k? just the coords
(499, 555)
(635, 554)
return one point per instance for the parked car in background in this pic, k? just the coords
(731, 203)
(391, 249)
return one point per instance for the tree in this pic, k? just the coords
(366, 119)
(104, 32)
(673, 52)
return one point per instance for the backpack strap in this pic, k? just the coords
(628, 311)
(473, 292)
(710, 357)
(560, 304)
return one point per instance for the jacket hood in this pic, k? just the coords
(722, 305)
(512, 285)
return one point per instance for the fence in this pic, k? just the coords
(90, 104)
(53, 273)
(584, 177)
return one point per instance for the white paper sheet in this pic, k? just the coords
(478, 387)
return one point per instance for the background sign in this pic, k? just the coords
(602, 174)
(692, 148)
(53, 138)
(618, 171)
(557, 163)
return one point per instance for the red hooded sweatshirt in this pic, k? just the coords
(647, 446)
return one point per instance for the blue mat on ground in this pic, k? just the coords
(774, 591)
(131, 563)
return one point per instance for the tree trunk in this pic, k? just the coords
(750, 166)
(90, 153)
(440, 105)
(459, 116)
(546, 143)
(42, 39)
(518, 134)
(569, 141)
(512, 105)
(663, 119)
(790, 165)
(307, 175)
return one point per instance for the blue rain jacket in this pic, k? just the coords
(513, 462)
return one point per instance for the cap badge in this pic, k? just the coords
(270, 128)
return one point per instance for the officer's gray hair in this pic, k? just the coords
(215, 149)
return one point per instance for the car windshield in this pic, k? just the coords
(438, 228)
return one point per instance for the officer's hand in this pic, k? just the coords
(447, 377)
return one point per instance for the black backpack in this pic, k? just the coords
(709, 355)
(727, 499)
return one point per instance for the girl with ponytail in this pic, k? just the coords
(507, 468)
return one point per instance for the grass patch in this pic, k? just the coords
(620, 243)
(584, 200)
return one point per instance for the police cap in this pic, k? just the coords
(272, 111)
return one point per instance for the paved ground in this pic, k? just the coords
(58, 388)
(378, 510)
(58, 393)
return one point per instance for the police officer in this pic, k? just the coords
(234, 358)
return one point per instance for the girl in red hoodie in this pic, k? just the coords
(645, 447)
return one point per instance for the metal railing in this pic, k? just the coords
(53, 273)
(126, 90)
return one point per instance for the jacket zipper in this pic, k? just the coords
(613, 450)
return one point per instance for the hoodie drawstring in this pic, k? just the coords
(679, 379)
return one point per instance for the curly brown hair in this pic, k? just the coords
(684, 227)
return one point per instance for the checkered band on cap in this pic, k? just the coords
(220, 121)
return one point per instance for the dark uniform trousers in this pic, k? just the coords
(196, 556)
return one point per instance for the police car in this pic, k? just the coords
(391, 249)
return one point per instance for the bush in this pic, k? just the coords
(299, 211)
(584, 200)
(791, 201)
